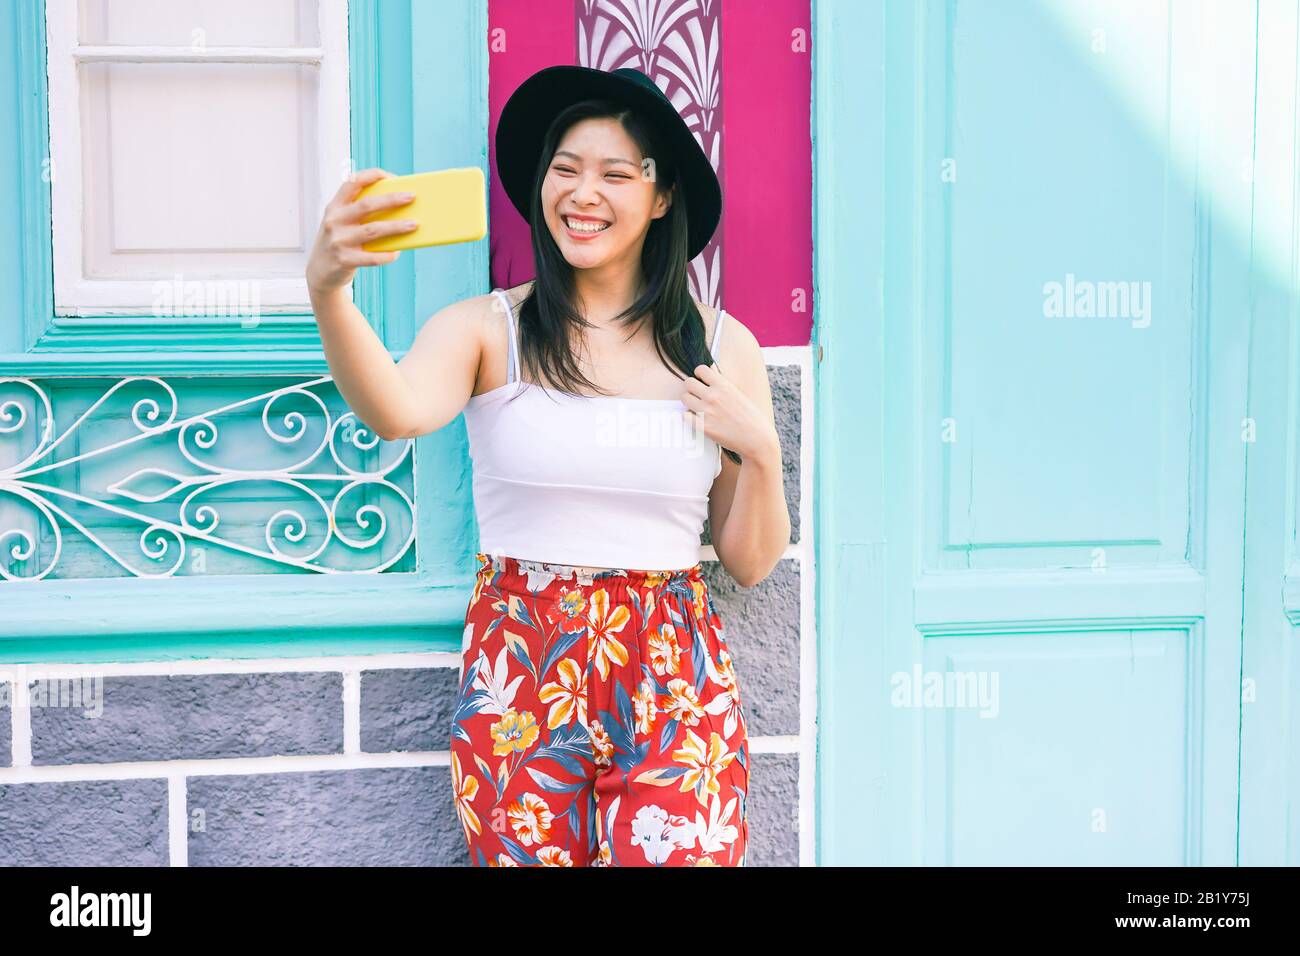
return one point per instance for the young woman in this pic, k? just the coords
(599, 720)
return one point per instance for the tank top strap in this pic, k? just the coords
(717, 333)
(512, 358)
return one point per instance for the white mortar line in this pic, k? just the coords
(352, 711)
(210, 766)
(21, 726)
(178, 848)
(241, 665)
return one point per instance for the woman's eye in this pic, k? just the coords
(566, 169)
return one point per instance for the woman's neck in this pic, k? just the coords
(601, 297)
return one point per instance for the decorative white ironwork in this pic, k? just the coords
(28, 482)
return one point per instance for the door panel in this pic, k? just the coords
(1052, 505)
(1063, 746)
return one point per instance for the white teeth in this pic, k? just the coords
(578, 226)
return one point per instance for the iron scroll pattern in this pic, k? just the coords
(356, 486)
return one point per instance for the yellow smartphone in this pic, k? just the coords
(450, 205)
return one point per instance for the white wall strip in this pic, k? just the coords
(178, 843)
(352, 711)
(808, 613)
(254, 665)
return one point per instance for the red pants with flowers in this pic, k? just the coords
(599, 722)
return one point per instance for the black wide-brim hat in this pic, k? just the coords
(539, 99)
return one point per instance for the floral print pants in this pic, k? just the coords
(599, 722)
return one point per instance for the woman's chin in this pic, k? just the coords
(582, 258)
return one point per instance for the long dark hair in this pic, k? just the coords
(547, 315)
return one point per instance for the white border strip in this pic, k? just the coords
(178, 842)
(808, 614)
(220, 766)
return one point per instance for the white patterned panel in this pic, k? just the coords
(98, 481)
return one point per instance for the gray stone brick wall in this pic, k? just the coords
(190, 717)
(407, 709)
(382, 816)
(84, 823)
(773, 810)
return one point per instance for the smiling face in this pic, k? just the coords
(597, 201)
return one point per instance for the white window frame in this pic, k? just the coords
(74, 293)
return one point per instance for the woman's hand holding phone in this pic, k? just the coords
(338, 252)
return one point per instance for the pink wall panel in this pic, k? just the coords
(524, 36)
(767, 219)
(739, 72)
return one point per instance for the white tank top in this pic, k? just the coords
(588, 480)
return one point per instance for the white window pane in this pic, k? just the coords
(197, 167)
(184, 23)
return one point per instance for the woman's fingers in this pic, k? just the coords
(360, 257)
(337, 252)
(358, 181)
(348, 208)
(381, 227)
(703, 379)
(358, 210)
(352, 238)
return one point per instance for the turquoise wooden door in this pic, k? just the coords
(1055, 390)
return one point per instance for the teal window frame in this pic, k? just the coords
(403, 119)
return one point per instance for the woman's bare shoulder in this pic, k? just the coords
(518, 293)
(710, 316)
(484, 312)
(735, 326)
(739, 352)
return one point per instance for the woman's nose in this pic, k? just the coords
(584, 190)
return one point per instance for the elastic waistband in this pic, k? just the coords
(515, 574)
